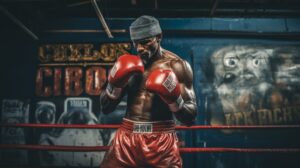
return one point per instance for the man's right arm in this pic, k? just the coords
(125, 67)
(108, 104)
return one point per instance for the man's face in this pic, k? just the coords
(146, 48)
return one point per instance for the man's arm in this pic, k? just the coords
(108, 104)
(125, 67)
(175, 87)
(188, 112)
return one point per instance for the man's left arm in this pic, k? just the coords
(188, 110)
(175, 87)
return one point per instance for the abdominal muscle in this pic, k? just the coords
(146, 106)
(143, 105)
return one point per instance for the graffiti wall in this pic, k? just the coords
(246, 82)
(253, 85)
(14, 111)
(69, 80)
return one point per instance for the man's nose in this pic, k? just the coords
(139, 47)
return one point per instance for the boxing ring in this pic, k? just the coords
(115, 126)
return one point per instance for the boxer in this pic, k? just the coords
(159, 85)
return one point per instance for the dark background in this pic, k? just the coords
(192, 29)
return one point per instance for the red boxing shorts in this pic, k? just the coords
(144, 144)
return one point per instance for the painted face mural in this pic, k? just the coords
(243, 66)
(250, 85)
(45, 112)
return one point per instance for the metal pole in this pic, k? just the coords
(101, 18)
(214, 7)
(18, 22)
(79, 3)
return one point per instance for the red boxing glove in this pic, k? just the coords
(125, 67)
(166, 85)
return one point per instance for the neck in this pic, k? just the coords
(158, 53)
(156, 56)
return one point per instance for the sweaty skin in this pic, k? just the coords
(143, 105)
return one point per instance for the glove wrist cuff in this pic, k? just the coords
(177, 105)
(113, 92)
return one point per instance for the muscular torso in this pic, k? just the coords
(143, 105)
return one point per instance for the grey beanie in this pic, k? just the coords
(143, 27)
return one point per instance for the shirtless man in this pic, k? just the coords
(158, 84)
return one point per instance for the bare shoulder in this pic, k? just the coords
(180, 67)
(170, 55)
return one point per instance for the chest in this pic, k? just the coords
(137, 83)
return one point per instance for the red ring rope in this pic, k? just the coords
(110, 126)
(104, 148)
(96, 126)
(115, 126)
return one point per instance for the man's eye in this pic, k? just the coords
(145, 42)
